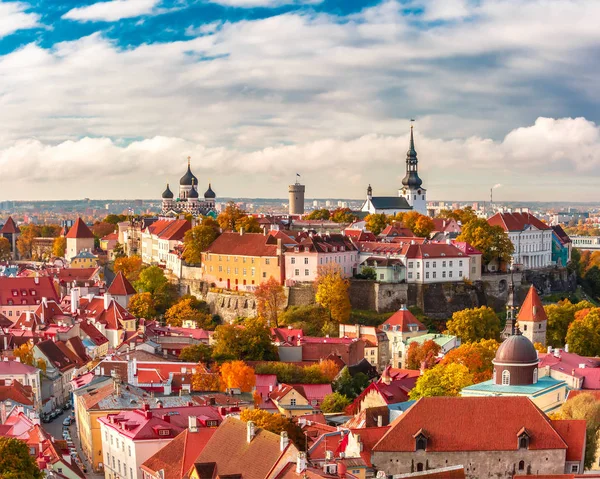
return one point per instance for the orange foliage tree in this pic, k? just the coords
(203, 380)
(271, 299)
(477, 357)
(238, 375)
(130, 266)
(329, 369)
(422, 354)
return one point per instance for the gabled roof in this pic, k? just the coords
(121, 286)
(93, 333)
(396, 230)
(10, 227)
(80, 230)
(110, 317)
(404, 319)
(55, 355)
(453, 424)
(466, 248)
(177, 457)
(15, 367)
(573, 433)
(390, 203)
(247, 244)
(532, 309)
(516, 221)
(433, 251)
(17, 393)
(26, 290)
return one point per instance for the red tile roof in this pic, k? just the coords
(93, 333)
(80, 230)
(516, 221)
(121, 286)
(10, 227)
(404, 319)
(433, 250)
(532, 309)
(248, 244)
(177, 457)
(57, 356)
(111, 317)
(466, 248)
(446, 225)
(111, 236)
(26, 290)
(454, 424)
(396, 230)
(573, 433)
(17, 393)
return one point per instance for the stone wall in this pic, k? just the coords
(301, 294)
(230, 305)
(552, 280)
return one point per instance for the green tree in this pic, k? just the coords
(115, 219)
(422, 354)
(442, 380)
(591, 281)
(271, 299)
(335, 402)
(197, 240)
(249, 224)
(196, 353)
(348, 385)
(153, 280)
(332, 292)
(15, 461)
(323, 214)
(585, 406)
(492, 241)
(471, 325)
(118, 251)
(343, 215)
(141, 305)
(560, 316)
(231, 215)
(310, 318)
(376, 222)
(583, 336)
(251, 342)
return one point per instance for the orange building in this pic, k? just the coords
(242, 261)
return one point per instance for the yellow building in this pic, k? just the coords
(84, 259)
(291, 401)
(242, 261)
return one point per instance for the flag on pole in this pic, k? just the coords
(298, 175)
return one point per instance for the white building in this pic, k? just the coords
(436, 263)
(531, 238)
(162, 239)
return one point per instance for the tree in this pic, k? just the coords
(115, 219)
(329, 369)
(463, 215)
(422, 354)
(5, 252)
(197, 240)
(492, 241)
(323, 214)
(25, 240)
(228, 219)
(419, 224)
(477, 357)
(204, 380)
(129, 266)
(196, 353)
(101, 229)
(141, 305)
(251, 342)
(343, 215)
(238, 375)
(290, 373)
(310, 318)
(184, 310)
(583, 336)
(118, 251)
(271, 299)
(591, 281)
(59, 246)
(151, 280)
(560, 316)
(275, 423)
(15, 461)
(585, 406)
(335, 402)
(350, 386)
(471, 325)
(332, 292)
(442, 380)
(249, 224)
(539, 347)
(25, 353)
(376, 222)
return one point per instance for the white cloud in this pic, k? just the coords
(111, 11)
(263, 3)
(14, 17)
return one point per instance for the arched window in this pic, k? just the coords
(535, 375)
(506, 377)
(421, 444)
(521, 465)
(419, 466)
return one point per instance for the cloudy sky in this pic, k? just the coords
(107, 99)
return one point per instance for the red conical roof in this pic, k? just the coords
(121, 286)
(10, 226)
(80, 230)
(532, 309)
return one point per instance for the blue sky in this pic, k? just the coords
(504, 92)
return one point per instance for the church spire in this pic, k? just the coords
(510, 329)
(411, 179)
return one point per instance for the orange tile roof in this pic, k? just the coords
(248, 244)
(80, 230)
(532, 309)
(404, 318)
(10, 227)
(121, 286)
(516, 221)
(573, 433)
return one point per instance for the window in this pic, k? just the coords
(409, 275)
(421, 444)
(535, 375)
(410, 264)
(443, 274)
(450, 274)
(427, 264)
(293, 260)
(434, 264)
(460, 262)
(460, 274)
(220, 269)
(450, 262)
(574, 467)
(434, 274)
(382, 276)
(267, 260)
(427, 275)
(521, 465)
(129, 451)
(252, 271)
(524, 327)
(419, 466)
(418, 275)
(506, 377)
(306, 272)
(418, 264)
(296, 272)
(244, 271)
(293, 402)
(443, 264)
(264, 275)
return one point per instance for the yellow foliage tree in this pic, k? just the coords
(238, 375)
(275, 423)
(183, 310)
(271, 299)
(471, 325)
(141, 305)
(5, 253)
(25, 353)
(329, 369)
(59, 246)
(130, 266)
(203, 380)
(332, 292)
(442, 380)
(197, 240)
(376, 222)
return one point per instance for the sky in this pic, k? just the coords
(108, 99)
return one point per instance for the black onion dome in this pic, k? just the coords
(193, 192)
(188, 179)
(210, 194)
(168, 194)
(516, 350)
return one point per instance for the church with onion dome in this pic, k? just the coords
(189, 200)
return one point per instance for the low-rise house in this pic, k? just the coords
(61, 367)
(242, 261)
(387, 270)
(108, 243)
(55, 461)
(377, 348)
(84, 259)
(446, 342)
(392, 387)
(121, 289)
(21, 294)
(450, 226)
(399, 328)
(436, 263)
(96, 344)
(25, 427)
(299, 399)
(476, 259)
(26, 375)
(447, 431)
(579, 372)
(161, 237)
(14, 395)
(350, 350)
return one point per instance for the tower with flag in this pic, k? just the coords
(296, 197)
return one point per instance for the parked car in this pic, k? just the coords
(59, 411)
(53, 415)
(67, 421)
(67, 405)
(46, 418)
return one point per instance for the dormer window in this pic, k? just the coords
(523, 438)
(420, 440)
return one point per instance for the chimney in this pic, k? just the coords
(74, 300)
(107, 300)
(301, 463)
(283, 441)
(249, 431)
(566, 347)
(193, 423)
(549, 349)
(241, 231)
(380, 421)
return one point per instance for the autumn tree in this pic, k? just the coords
(184, 311)
(585, 406)
(477, 357)
(59, 246)
(442, 380)
(422, 354)
(250, 341)
(130, 266)
(203, 380)
(101, 229)
(560, 316)
(583, 336)
(231, 215)
(25, 353)
(323, 214)
(141, 305)
(332, 292)
(376, 222)
(343, 215)
(423, 227)
(290, 373)
(5, 252)
(197, 240)
(335, 402)
(275, 423)
(471, 325)
(329, 369)
(464, 216)
(25, 240)
(271, 299)
(153, 280)
(312, 319)
(196, 353)
(248, 224)
(114, 219)
(492, 241)
(238, 375)
(16, 462)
